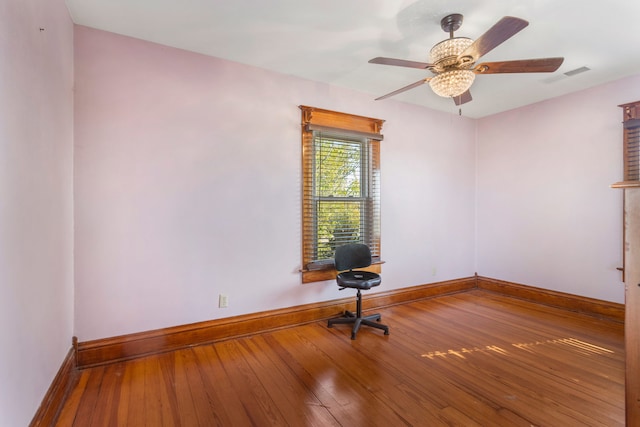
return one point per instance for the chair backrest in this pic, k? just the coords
(352, 255)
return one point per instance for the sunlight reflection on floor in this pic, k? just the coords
(576, 344)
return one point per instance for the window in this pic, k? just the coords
(341, 188)
(631, 141)
(343, 199)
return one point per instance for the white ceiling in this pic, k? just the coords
(332, 40)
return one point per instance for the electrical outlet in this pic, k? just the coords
(223, 301)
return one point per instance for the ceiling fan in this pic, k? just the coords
(453, 60)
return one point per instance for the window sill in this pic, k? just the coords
(330, 273)
(626, 184)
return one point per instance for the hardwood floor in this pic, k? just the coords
(469, 359)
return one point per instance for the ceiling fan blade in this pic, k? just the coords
(411, 86)
(542, 65)
(463, 99)
(401, 63)
(504, 29)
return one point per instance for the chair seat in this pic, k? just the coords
(358, 279)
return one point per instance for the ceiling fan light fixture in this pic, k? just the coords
(447, 51)
(452, 61)
(450, 84)
(450, 81)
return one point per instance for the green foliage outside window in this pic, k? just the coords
(340, 191)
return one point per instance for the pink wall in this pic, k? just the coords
(546, 215)
(187, 185)
(36, 219)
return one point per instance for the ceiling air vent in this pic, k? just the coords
(576, 71)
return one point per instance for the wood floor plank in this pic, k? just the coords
(71, 406)
(254, 397)
(194, 405)
(337, 383)
(448, 391)
(90, 399)
(105, 412)
(178, 362)
(501, 350)
(470, 359)
(120, 410)
(159, 402)
(367, 372)
(299, 405)
(228, 407)
(400, 381)
(132, 396)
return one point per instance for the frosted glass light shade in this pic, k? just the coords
(452, 83)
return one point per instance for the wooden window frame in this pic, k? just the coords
(631, 163)
(631, 141)
(317, 119)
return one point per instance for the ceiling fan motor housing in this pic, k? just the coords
(451, 23)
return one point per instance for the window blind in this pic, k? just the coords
(343, 195)
(632, 150)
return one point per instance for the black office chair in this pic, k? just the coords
(348, 257)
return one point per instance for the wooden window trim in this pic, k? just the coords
(313, 117)
(631, 127)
